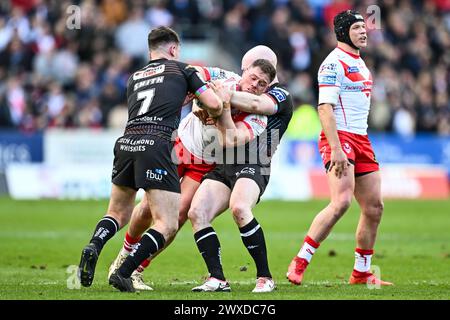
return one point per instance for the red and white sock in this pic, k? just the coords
(129, 242)
(143, 265)
(308, 248)
(363, 259)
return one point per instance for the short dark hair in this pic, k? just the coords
(161, 35)
(266, 67)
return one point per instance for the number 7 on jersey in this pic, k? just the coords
(147, 95)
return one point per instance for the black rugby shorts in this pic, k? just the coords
(229, 174)
(144, 161)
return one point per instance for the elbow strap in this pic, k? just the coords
(201, 90)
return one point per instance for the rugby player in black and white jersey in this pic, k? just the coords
(142, 156)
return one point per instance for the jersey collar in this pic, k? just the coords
(155, 60)
(356, 56)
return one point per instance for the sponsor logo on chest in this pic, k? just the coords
(149, 72)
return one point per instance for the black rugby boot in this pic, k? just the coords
(89, 257)
(121, 283)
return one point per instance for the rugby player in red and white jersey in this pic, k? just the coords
(345, 86)
(194, 143)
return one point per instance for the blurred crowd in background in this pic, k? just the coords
(53, 75)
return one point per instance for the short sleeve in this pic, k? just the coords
(279, 96)
(329, 79)
(255, 123)
(194, 80)
(214, 73)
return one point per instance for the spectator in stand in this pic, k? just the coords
(408, 56)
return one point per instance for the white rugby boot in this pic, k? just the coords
(213, 285)
(138, 282)
(115, 265)
(264, 284)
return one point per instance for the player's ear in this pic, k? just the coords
(173, 50)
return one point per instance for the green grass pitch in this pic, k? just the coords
(40, 240)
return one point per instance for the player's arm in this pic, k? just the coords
(240, 132)
(204, 75)
(209, 100)
(232, 134)
(328, 122)
(214, 73)
(329, 81)
(252, 103)
(243, 101)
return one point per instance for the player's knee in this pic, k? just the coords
(194, 214)
(198, 216)
(240, 211)
(374, 210)
(341, 205)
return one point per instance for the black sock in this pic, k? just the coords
(209, 246)
(252, 236)
(150, 242)
(105, 230)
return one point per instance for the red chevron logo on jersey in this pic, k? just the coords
(367, 87)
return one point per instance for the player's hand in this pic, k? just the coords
(221, 91)
(339, 162)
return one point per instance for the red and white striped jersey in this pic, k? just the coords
(346, 83)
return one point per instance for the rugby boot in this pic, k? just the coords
(213, 285)
(296, 270)
(123, 254)
(121, 283)
(367, 278)
(86, 270)
(138, 282)
(264, 284)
